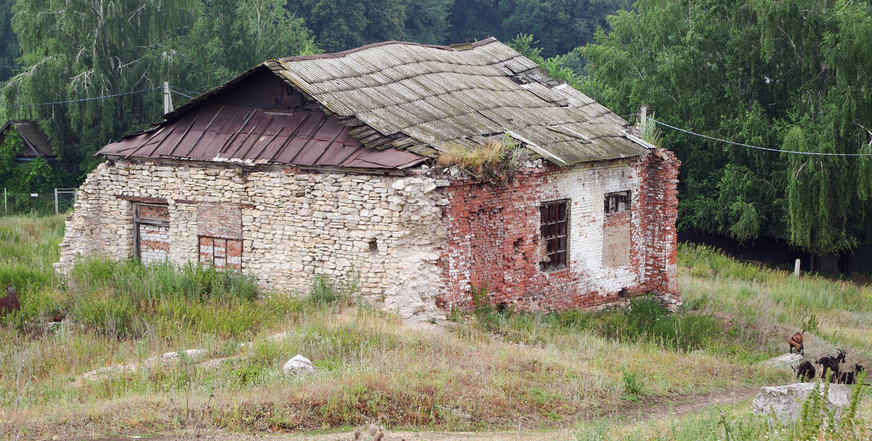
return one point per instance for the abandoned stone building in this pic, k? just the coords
(326, 164)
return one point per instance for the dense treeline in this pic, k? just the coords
(70, 50)
(782, 74)
(786, 74)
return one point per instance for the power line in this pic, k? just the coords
(179, 89)
(767, 149)
(180, 93)
(83, 99)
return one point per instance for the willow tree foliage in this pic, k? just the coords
(230, 36)
(75, 49)
(788, 74)
(8, 42)
(427, 21)
(78, 49)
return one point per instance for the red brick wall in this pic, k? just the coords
(494, 232)
(660, 212)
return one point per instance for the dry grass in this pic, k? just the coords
(496, 160)
(370, 365)
(537, 372)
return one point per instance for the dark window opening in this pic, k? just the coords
(220, 253)
(554, 229)
(617, 202)
(373, 247)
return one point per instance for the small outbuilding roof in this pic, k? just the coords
(35, 143)
(395, 104)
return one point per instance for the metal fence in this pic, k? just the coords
(58, 201)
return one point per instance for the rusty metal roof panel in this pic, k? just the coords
(257, 136)
(434, 95)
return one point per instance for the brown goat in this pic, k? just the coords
(10, 302)
(795, 342)
(805, 371)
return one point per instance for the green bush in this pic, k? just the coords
(647, 320)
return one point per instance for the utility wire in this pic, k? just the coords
(180, 93)
(179, 89)
(767, 149)
(83, 99)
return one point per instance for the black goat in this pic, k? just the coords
(850, 377)
(805, 371)
(831, 364)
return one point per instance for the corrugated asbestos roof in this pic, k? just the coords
(35, 142)
(439, 96)
(250, 135)
(395, 103)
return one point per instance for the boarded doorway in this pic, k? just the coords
(151, 232)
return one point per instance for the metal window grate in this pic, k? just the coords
(554, 230)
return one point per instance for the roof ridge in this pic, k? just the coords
(340, 54)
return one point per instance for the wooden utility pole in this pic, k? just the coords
(168, 98)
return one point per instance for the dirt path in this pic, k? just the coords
(655, 409)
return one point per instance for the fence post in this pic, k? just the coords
(5, 209)
(56, 201)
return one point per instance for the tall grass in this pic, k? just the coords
(487, 369)
(643, 321)
(768, 305)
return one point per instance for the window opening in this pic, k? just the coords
(151, 224)
(617, 202)
(220, 253)
(554, 229)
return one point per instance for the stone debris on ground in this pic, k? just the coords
(299, 365)
(782, 360)
(785, 402)
(168, 357)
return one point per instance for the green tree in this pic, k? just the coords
(559, 25)
(770, 73)
(345, 24)
(473, 20)
(84, 48)
(230, 36)
(427, 20)
(75, 49)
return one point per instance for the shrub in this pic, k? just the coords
(632, 383)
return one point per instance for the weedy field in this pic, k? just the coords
(100, 371)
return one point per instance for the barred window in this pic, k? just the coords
(554, 229)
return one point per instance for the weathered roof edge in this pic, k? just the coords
(36, 150)
(369, 136)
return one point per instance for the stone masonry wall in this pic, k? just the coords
(294, 224)
(418, 243)
(494, 236)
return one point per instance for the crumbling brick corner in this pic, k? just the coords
(659, 212)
